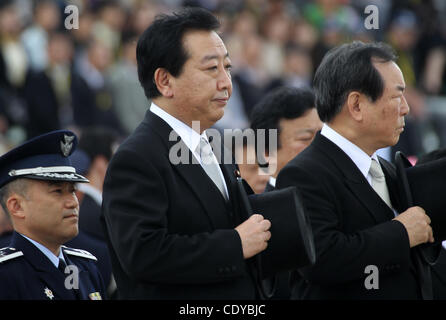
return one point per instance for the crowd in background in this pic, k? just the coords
(52, 77)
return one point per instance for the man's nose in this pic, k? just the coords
(405, 109)
(72, 201)
(224, 81)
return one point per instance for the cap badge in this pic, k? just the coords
(66, 146)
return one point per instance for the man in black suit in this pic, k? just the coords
(169, 210)
(365, 249)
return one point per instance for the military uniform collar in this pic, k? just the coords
(51, 256)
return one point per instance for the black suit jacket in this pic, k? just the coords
(280, 282)
(32, 276)
(171, 234)
(352, 228)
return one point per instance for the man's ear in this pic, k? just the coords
(163, 83)
(14, 203)
(355, 105)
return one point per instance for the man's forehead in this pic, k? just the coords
(391, 74)
(204, 45)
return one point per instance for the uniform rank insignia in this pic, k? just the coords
(8, 254)
(67, 145)
(49, 293)
(95, 296)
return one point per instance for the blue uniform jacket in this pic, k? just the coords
(27, 274)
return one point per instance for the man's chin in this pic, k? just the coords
(71, 235)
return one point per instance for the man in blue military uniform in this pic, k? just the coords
(37, 191)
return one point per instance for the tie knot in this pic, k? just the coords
(376, 170)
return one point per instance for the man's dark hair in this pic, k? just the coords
(348, 68)
(281, 103)
(161, 44)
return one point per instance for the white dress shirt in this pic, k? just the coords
(361, 159)
(189, 136)
(272, 181)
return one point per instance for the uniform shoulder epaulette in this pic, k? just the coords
(79, 253)
(9, 253)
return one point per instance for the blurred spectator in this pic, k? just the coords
(13, 68)
(403, 36)
(90, 89)
(304, 35)
(35, 37)
(109, 24)
(130, 102)
(298, 69)
(142, 16)
(276, 30)
(321, 13)
(47, 92)
(82, 35)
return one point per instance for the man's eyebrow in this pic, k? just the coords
(213, 56)
(400, 88)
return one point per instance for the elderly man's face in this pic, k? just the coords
(204, 86)
(51, 211)
(384, 119)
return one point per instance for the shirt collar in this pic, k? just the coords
(361, 159)
(272, 181)
(53, 258)
(189, 136)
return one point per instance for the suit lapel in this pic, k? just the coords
(354, 179)
(202, 186)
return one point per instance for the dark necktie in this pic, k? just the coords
(62, 265)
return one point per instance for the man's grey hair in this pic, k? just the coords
(19, 186)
